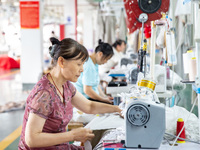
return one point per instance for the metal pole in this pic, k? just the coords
(141, 45)
(153, 47)
(197, 47)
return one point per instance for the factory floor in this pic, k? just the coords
(11, 117)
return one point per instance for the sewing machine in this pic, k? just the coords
(144, 127)
(145, 124)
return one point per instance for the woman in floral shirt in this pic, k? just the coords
(50, 103)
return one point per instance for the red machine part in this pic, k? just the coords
(133, 11)
(147, 31)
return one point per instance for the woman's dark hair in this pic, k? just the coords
(118, 42)
(67, 48)
(105, 48)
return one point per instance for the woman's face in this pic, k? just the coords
(72, 69)
(121, 47)
(101, 59)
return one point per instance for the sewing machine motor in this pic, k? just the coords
(145, 124)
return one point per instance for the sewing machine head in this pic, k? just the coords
(145, 124)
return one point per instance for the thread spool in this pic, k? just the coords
(192, 69)
(187, 60)
(150, 84)
(180, 124)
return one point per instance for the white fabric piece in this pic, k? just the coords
(160, 40)
(122, 26)
(107, 121)
(171, 48)
(133, 41)
(82, 117)
(182, 8)
(136, 93)
(110, 23)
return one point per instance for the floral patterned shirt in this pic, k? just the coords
(46, 103)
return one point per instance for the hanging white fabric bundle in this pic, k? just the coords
(171, 48)
(160, 41)
(197, 32)
(110, 22)
(182, 8)
(122, 26)
(100, 27)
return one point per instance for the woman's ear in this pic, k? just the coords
(61, 62)
(118, 47)
(100, 54)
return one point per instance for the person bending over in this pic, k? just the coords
(89, 83)
(119, 47)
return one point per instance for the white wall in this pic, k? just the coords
(88, 30)
(32, 53)
(70, 17)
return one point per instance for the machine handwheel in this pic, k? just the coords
(138, 114)
(149, 6)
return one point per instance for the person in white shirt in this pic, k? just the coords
(118, 47)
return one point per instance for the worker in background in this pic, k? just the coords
(89, 83)
(118, 47)
(49, 106)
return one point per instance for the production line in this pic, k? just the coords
(136, 87)
(145, 118)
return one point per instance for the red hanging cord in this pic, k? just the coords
(58, 89)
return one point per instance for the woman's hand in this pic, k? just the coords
(108, 100)
(82, 134)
